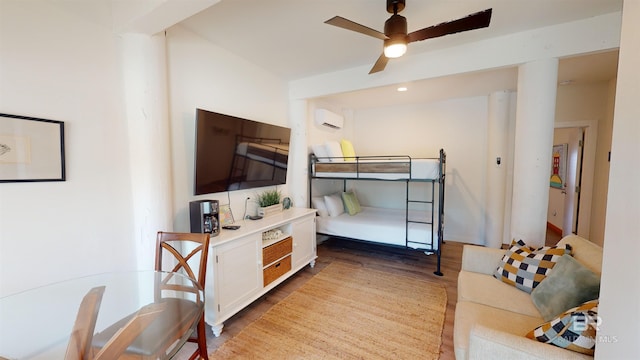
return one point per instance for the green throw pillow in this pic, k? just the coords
(351, 202)
(568, 285)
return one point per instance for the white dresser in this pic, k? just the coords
(242, 266)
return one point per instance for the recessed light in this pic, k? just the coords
(402, 88)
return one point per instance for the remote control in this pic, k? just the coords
(231, 227)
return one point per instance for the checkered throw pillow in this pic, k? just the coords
(575, 329)
(525, 267)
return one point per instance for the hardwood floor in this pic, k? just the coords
(394, 260)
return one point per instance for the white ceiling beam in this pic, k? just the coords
(154, 16)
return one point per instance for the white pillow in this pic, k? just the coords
(334, 150)
(318, 203)
(320, 151)
(334, 204)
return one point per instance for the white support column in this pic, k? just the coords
(298, 155)
(496, 167)
(144, 78)
(537, 87)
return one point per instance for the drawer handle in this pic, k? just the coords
(278, 264)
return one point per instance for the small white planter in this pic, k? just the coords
(270, 210)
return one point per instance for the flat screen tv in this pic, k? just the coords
(232, 153)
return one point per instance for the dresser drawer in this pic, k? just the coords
(276, 251)
(274, 271)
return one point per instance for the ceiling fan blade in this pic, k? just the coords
(353, 26)
(380, 64)
(474, 21)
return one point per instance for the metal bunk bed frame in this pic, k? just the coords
(441, 192)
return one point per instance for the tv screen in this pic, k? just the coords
(233, 153)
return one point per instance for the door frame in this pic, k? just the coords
(588, 171)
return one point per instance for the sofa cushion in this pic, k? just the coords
(586, 252)
(486, 343)
(486, 290)
(573, 330)
(568, 285)
(468, 314)
(525, 267)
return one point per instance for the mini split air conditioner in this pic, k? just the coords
(329, 119)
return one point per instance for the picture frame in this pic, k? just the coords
(31, 149)
(226, 216)
(558, 175)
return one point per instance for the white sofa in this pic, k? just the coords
(492, 317)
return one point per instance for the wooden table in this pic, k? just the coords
(36, 324)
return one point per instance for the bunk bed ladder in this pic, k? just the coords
(441, 186)
(437, 233)
(430, 221)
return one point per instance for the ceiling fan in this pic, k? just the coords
(395, 35)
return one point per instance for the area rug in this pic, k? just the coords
(347, 312)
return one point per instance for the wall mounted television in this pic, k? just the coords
(232, 153)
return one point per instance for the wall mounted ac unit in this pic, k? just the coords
(330, 119)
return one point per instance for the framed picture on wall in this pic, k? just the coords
(559, 166)
(31, 149)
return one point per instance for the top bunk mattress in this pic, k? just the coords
(390, 168)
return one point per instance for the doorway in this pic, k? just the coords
(564, 215)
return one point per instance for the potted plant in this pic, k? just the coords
(269, 202)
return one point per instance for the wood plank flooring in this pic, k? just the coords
(395, 260)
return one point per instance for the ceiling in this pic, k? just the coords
(289, 38)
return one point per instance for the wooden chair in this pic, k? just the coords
(79, 346)
(175, 253)
(165, 244)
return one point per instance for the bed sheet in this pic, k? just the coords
(386, 226)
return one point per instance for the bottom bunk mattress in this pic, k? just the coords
(385, 226)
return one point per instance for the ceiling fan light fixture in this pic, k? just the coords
(394, 48)
(395, 28)
(395, 34)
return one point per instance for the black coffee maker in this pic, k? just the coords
(204, 216)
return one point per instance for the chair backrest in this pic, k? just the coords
(79, 344)
(188, 250)
(119, 342)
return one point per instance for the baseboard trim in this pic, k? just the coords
(554, 228)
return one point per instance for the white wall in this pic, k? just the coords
(601, 169)
(459, 126)
(60, 66)
(588, 106)
(619, 306)
(204, 76)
